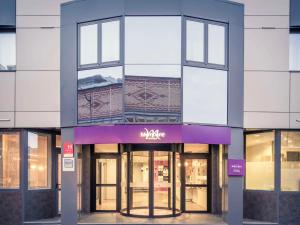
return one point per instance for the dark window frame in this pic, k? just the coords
(204, 64)
(99, 63)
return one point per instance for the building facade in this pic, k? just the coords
(150, 109)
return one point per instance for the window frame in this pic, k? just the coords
(99, 63)
(204, 64)
(10, 30)
(5, 131)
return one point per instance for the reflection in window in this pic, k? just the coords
(100, 95)
(7, 51)
(152, 99)
(194, 41)
(204, 95)
(260, 160)
(295, 51)
(290, 161)
(39, 160)
(88, 44)
(110, 41)
(216, 44)
(9, 160)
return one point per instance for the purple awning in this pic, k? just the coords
(152, 134)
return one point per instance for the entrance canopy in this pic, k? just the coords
(152, 134)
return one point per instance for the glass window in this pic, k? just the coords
(106, 148)
(58, 141)
(110, 46)
(7, 51)
(295, 51)
(195, 148)
(100, 95)
(39, 160)
(9, 160)
(88, 44)
(216, 44)
(290, 161)
(260, 161)
(204, 96)
(153, 40)
(194, 41)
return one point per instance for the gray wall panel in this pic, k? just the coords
(289, 208)
(10, 207)
(260, 205)
(8, 13)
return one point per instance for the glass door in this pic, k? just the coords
(105, 177)
(196, 183)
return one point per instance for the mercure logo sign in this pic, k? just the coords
(152, 134)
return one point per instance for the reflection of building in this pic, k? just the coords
(150, 96)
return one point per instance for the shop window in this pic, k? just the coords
(106, 148)
(88, 44)
(8, 50)
(295, 50)
(9, 160)
(290, 161)
(194, 41)
(196, 148)
(260, 161)
(110, 41)
(216, 44)
(39, 161)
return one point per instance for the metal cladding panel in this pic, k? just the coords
(295, 13)
(8, 13)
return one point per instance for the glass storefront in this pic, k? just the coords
(155, 180)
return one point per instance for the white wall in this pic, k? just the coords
(31, 96)
(271, 91)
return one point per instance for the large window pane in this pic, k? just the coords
(153, 40)
(89, 44)
(106, 148)
(295, 51)
(194, 41)
(39, 161)
(204, 95)
(100, 95)
(196, 148)
(8, 51)
(260, 161)
(110, 46)
(216, 44)
(9, 160)
(290, 161)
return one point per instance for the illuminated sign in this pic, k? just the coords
(152, 134)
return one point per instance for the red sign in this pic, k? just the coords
(68, 149)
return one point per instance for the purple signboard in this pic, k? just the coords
(236, 167)
(152, 134)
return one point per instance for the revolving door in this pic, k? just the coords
(150, 184)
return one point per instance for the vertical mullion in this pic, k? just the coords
(128, 182)
(205, 43)
(174, 179)
(99, 43)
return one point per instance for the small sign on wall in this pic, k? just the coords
(236, 167)
(69, 164)
(68, 149)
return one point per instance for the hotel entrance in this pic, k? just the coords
(151, 180)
